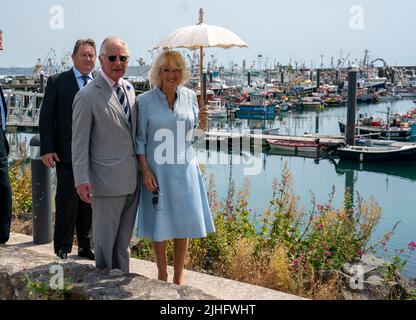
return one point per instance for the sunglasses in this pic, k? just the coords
(114, 58)
(155, 198)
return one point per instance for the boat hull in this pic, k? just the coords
(378, 154)
(257, 109)
(289, 145)
(391, 133)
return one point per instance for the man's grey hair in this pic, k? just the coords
(103, 48)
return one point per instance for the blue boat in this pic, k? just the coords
(255, 115)
(259, 102)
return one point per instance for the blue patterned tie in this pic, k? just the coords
(85, 78)
(123, 102)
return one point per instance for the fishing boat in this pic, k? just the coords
(396, 133)
(334, 100)
(259, 102)
(216, 109)
(294, 145)
(378, 153)
(311, 103)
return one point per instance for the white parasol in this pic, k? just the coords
(201, 36)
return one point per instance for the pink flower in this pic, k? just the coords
(328, 254)
(296, 262)
(412, 245)
(320, 207)
(320, 226)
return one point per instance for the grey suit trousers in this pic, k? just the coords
(113, 224)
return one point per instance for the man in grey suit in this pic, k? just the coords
(104, 161)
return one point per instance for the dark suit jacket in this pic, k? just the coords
(55, 121)
(5, 112)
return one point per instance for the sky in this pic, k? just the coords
(281, 31)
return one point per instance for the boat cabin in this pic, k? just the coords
(261, 98)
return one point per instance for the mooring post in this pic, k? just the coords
(351, 106)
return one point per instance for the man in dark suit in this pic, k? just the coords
(55, 126)
(5, 188)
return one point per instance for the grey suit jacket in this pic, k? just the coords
(103, 143)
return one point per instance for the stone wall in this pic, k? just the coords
(27, 275)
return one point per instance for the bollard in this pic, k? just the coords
(42, 82)
(318, 79)
(41, 195)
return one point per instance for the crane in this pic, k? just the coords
(379, 59)
(341, 61)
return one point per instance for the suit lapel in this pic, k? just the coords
(72, 82)
(107, 93)
(3, 100)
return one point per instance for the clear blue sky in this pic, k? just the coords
(277, 29)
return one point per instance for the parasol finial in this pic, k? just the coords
(201, 16)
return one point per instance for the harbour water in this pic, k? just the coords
(392, 185)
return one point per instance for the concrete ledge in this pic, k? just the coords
(143, 277)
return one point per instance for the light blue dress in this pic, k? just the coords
(166, 138)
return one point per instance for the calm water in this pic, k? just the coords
(392, 186)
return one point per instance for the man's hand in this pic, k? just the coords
(49, 159)
(149, 180)
(85, 192)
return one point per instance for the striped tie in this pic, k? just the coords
(85, 78)
(123, 102)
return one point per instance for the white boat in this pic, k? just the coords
(379, 153)
(294, 145)
(216, 109)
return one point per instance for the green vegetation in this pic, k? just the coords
(42, 290)
(21, 183)
(285, 247)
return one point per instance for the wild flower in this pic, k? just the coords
(412, 246)
(328, 254)
(320, 226)
(281, 241)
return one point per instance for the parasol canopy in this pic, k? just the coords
(201, 36)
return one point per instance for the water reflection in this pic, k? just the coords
(402, 170)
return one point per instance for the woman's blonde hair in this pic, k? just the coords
(172, 59)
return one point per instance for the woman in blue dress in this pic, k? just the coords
(173, 203)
